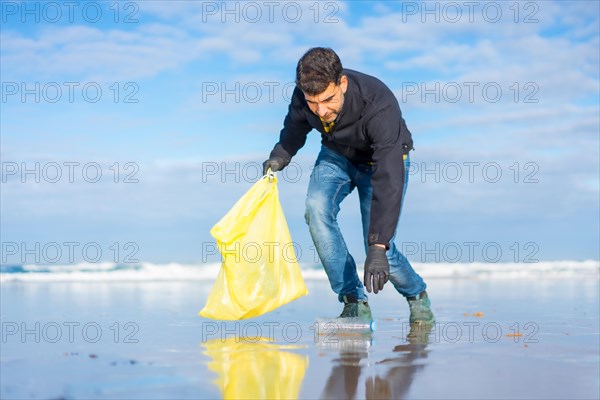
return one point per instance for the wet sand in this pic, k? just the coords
(492, 339)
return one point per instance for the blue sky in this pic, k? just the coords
(186, 99)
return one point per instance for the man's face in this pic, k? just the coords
(329, 103)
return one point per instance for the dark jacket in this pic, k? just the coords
(370, 129)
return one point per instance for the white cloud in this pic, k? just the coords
(86, 53)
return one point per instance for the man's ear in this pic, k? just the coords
(344, 83)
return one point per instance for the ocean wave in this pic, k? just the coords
(178, 272)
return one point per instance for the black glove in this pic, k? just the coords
(377, 269)
(275, 163)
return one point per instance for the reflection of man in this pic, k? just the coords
(345, 374)
(396, 379)
(365, 145)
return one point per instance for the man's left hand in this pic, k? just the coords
(377, 268)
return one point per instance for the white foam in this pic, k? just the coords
(84, 266)
(589, 269)
(545, 269)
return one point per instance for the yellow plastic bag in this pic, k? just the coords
(260, 370)
(259, 271)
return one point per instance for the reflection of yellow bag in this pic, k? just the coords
(255, 370)
(259, 271)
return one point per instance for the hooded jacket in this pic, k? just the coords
(369, 130)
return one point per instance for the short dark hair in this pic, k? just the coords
(317, 68)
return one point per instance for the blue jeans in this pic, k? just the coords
(333, 178)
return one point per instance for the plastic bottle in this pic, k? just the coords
(345, 326)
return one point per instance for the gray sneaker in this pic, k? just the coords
(356, 309)
(420, 309)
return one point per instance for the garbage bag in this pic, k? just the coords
(259, 271)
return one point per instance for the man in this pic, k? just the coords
(365, 145)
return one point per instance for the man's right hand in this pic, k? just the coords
(274, 163)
